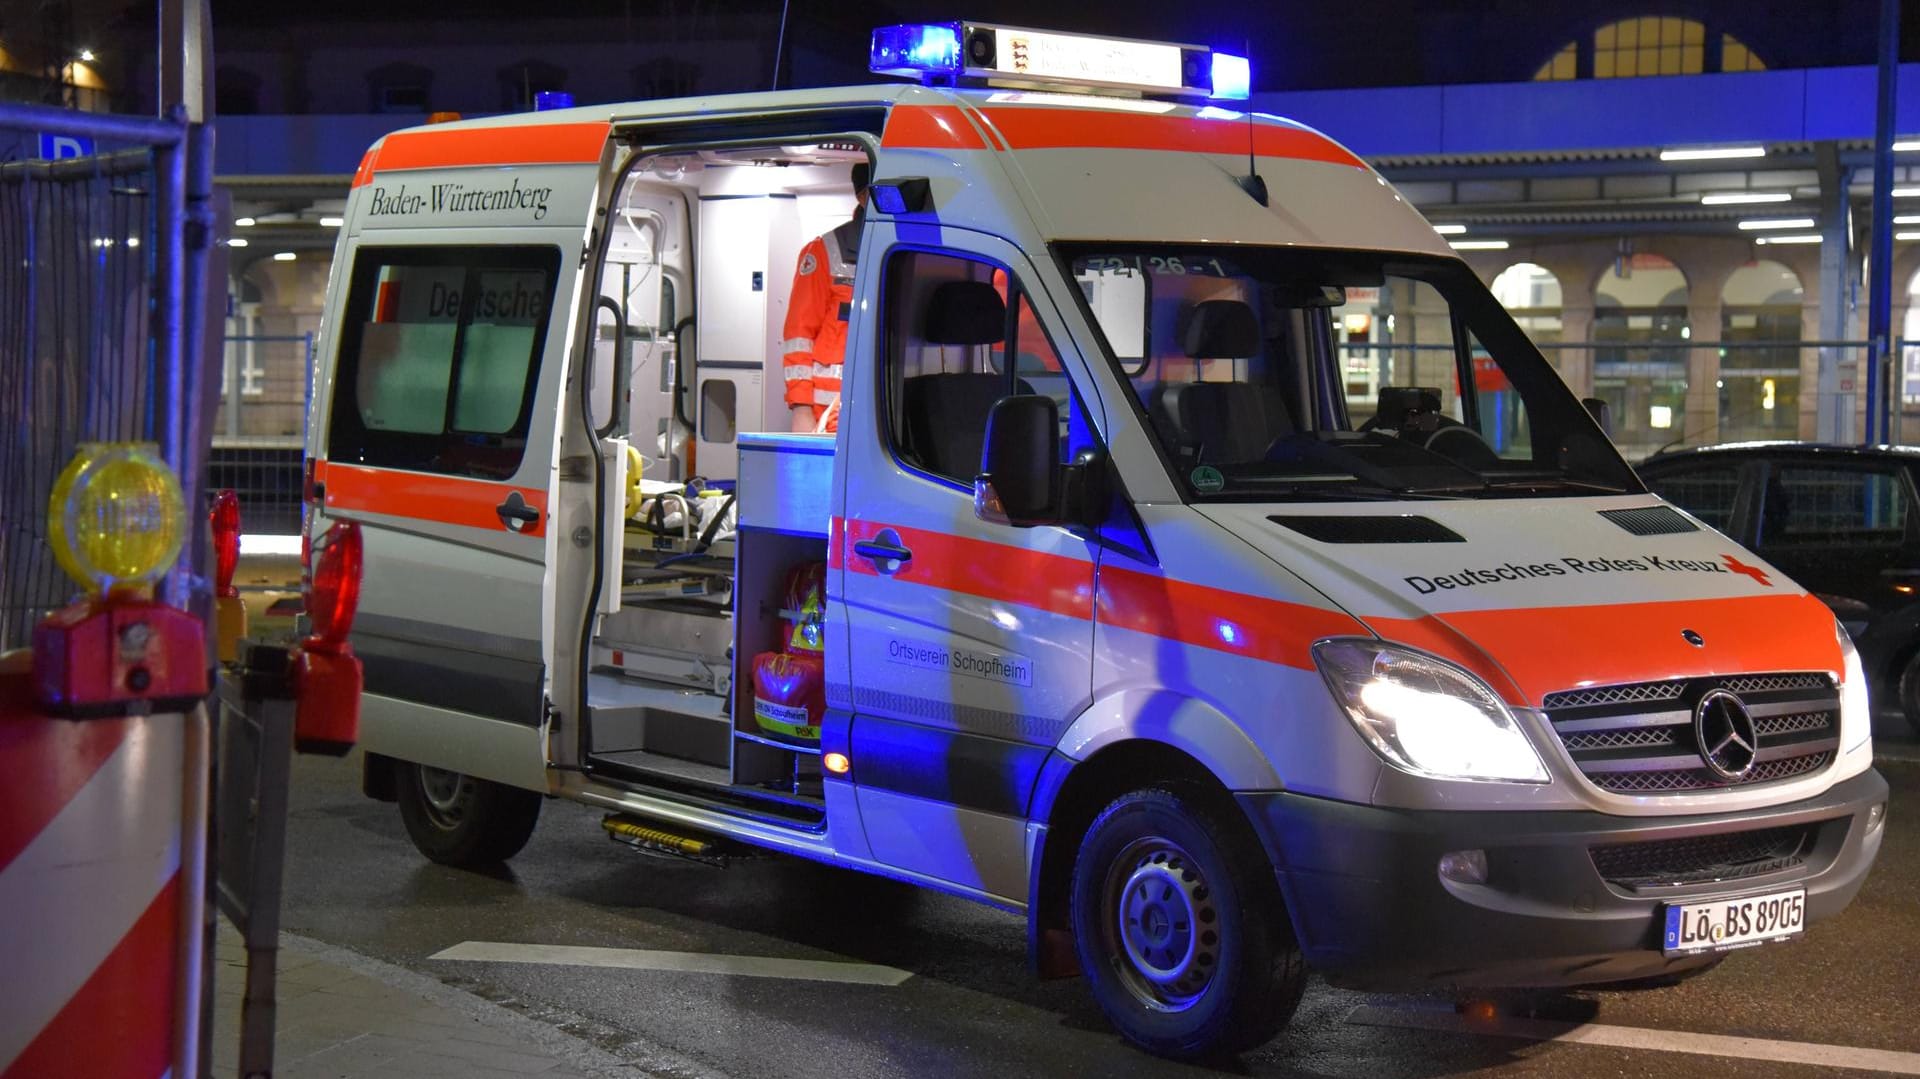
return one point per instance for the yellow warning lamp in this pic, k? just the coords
(116, 521)
(116, 518)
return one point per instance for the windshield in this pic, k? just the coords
(1274, 374)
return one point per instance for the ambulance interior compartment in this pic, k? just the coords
(689, 322)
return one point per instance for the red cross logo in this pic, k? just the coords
(1754, 572)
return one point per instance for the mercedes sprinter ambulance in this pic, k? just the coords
(1203, 564)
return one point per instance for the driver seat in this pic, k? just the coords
(1232, 421)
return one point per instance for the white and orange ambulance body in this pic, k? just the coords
(1156, 607)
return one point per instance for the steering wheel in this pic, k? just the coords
(1467, 443)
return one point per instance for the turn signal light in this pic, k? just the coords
(837, 763)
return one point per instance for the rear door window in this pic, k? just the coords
(439, 357)
(1834, 507)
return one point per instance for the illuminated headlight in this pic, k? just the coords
(1856, 715)
(1427, 716)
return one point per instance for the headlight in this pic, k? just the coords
(1425, 715)
(1856, 714)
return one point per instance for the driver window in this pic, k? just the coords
(951, 324)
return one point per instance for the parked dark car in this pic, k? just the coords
(1839, 520)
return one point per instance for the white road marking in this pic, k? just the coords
(1665, 1041)
(746, 966)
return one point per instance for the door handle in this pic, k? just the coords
(516, 514)
(884, 547)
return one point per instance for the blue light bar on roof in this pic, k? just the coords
(1011, 56)
(916, 50)
(1232, 77)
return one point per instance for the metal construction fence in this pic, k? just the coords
(1671, 394)
(259, 429)
(75, 358)
(101, 321)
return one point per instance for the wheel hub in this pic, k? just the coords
(1162, 913)
(445, 794)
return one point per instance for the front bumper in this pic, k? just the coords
(1372, 911)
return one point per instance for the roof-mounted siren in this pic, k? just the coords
(984, 54)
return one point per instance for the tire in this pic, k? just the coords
(1910, 692)
(458, 820)
(1180, 927)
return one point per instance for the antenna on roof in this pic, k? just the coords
(780, 44)
(1251, 183)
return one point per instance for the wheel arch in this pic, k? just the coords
(1070, 794)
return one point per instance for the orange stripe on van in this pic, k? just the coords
(997, 571)
(931, 127)
(1226, 621)
(1192, 614)
(1036, 128)
(451, 500)
(519, 144)
(1547, 649)
(364, 174)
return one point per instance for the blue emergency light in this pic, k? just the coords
(551, 99)
(916, 50)
(1232, 77)
(985, 54)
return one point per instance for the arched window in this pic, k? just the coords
(1649, 45)
(1531, 294)
(1640, 334)
(1760, 353)
(399, 87)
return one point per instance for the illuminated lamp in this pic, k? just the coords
(326, 673)
(1232, 77)
(116, 521)
(953, 53)
(230, 615)
(551, 99)
(442, 117)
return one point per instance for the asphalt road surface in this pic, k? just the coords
(687, 969)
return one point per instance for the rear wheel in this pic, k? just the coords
(1180, 927)
(455, 819)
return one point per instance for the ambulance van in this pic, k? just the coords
(1203, 564)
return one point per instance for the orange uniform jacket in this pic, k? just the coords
(817, 313)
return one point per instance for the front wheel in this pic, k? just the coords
(455, 819)
(1181, 929)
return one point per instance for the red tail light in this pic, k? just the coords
(225, 519)
(333, 592)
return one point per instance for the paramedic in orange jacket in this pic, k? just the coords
(817, 312)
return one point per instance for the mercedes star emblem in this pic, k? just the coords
(1724, 729)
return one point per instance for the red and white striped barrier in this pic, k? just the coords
(102, 866)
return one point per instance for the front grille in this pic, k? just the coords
(1672, 780)
(1638, 738)
(1698, 859)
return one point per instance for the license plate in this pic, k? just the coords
(1724, 924)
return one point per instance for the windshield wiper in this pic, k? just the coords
(1560, 481)
(1352, 490)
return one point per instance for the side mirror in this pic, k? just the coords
(1019, 481)
(1601, 414)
